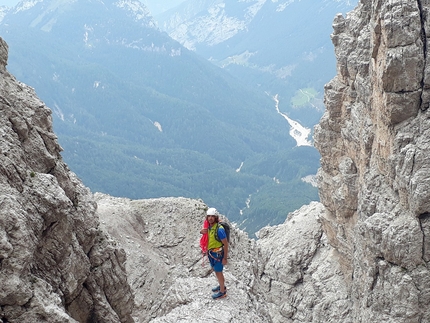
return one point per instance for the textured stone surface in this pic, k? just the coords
(56, 265)
(290, 274)
(300, 276)
(374, 142)
(362, 255)
(170, 279)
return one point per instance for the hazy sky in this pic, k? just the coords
(8, 3)
(155, 6)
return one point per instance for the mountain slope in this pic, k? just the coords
(141, 116)
(282, 47)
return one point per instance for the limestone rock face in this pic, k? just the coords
(56, 264)
(300, 275)
(290, 274)
(171, 280)
(362, 255)
(374, 140)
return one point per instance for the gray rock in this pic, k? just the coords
(56, 265)
(361, 255)
(168, 274)
(377, 120)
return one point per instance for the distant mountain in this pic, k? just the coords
(3, 11)
(140, 116)
(282, 47)
(156, 6)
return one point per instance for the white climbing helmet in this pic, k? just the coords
(212, 211)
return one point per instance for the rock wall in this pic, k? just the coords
(171, 280)
(362, 255)
(374, 140)
(56, 264)
(300, 278)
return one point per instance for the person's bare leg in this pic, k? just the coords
(220, 277)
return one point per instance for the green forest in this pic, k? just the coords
(154, 119)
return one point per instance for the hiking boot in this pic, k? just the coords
(219, 295)
(216, 289)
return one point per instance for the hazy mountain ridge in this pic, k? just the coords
(208, 22)
(3, 11)
(280, 47)
(45, 15)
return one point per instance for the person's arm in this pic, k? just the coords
(204, 230)
(225, 243)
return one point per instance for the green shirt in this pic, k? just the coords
(213, 243)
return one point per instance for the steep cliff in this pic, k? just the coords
(56, 264)
(362, 255)
(371, 262)
(375, 172)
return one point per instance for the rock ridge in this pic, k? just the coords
(361, 255)
(56, 264)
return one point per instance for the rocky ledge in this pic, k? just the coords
(362, 255)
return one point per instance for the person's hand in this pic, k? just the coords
(204, 231)
(224, 261)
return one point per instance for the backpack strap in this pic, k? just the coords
(216, 232)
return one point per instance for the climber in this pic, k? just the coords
(217, 250)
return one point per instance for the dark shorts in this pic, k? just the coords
(215, 260)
